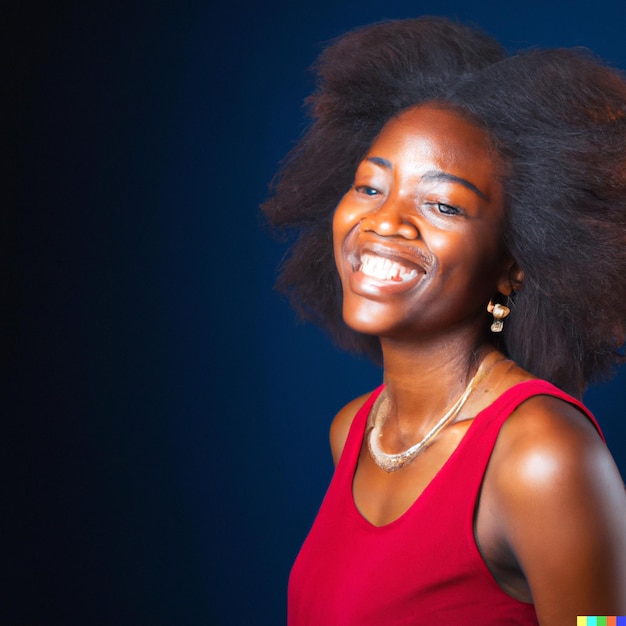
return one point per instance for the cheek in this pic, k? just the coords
(345, 215)
(337, 238)
(453, 249)
(472, 257)
(344, 220)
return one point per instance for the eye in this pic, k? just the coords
(445, 209)
(448, 210)
(366, 190)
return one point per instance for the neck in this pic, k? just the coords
(425, 378)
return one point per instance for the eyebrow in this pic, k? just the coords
(380, 161)
(434, 175)
(438, 175)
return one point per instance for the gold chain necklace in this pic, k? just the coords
(380, 413)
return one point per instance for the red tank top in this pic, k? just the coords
(422, 568)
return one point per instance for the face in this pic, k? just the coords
(417, 238)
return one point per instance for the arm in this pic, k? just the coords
(562, 511)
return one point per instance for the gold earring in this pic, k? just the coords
(499, 312)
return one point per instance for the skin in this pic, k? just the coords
(551, 518)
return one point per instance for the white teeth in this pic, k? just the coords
(385, 269)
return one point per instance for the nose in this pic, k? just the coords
(390, 220)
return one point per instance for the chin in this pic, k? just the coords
(369, 319)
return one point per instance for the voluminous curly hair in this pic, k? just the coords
(557, 119)
(364, 78)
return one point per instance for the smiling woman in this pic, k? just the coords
(479, 251)
(426, 207)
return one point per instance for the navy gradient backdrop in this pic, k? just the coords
(165, 436)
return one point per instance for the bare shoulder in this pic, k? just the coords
(562, 510)
(548, 439)
(341, 425)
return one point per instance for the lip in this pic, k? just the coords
(410, 257)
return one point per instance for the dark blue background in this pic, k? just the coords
(166, 431)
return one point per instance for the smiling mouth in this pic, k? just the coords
(383, 268)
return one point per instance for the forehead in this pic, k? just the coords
(442, 137)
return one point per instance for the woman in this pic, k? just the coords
(479, 249)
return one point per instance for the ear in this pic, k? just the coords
(512, 278)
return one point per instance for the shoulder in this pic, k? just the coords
(340, 426)
(562, 508)
(547, 438)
